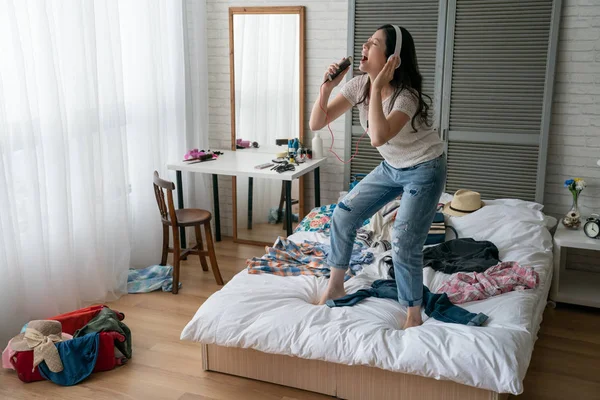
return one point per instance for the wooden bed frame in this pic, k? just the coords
(342, 381)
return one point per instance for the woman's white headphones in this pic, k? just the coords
(398, 45)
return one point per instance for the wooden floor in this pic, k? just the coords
(565, 364)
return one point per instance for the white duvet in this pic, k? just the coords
(278, 315)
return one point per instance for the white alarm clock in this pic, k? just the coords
(592, 227)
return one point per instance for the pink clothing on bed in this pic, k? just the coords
(501, 278)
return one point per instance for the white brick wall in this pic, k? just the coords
(326, 27)
(574, 142)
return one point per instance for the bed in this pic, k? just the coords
(269, 327)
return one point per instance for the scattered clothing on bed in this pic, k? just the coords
(457, 255)
(383, 221)
(366, 238)
(437, 231)
(78, 356)
(461, 255)
(501, 278)
(319, 220)
(149, 279)
(359, 257)
(436, 305)
(287, 258)
(109, 321)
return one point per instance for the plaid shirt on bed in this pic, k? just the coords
(501, 278)
(287, 258)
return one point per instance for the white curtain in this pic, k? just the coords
(267, 85)
(92, 101)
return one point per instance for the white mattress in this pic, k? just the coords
(278, 315)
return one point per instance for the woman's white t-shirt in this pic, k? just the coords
(408, 147)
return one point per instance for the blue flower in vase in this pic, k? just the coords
(569, 182)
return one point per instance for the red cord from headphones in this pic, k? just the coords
(331, 133)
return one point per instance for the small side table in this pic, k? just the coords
(573, 286)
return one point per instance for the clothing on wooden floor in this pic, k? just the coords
(78, 356)
(457, 255)
(22, 361)
(149, 279)
(106, 355)
(286, 258)
(41, 337)
(8, 353)
(501, 278)
(108, 321)
(436, 305)
(73, 320)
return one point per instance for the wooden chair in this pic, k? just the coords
(183, 218)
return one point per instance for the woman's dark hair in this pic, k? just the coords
(406, 77)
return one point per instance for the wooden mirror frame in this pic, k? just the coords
(300, 11)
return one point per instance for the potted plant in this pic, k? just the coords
(572, 219)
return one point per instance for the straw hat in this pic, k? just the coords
(464, 202)
(40, 336)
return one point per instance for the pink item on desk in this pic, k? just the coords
(243, 143)
(196, 154)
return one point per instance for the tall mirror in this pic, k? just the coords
(267, 103)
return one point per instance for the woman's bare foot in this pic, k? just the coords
(332, 294)
(413, 317)
(335, 287)
(412, 322)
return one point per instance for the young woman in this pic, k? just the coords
(392, 107)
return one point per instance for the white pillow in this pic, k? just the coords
(446, 197)
(516, 231)
(516, 203)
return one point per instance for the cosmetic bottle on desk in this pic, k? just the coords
(317, 146)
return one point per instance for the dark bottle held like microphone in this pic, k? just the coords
(345, 64)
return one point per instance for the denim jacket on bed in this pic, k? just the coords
(436, 305)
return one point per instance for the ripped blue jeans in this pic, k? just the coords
(421, 187)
